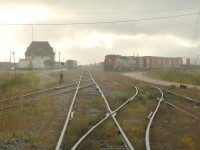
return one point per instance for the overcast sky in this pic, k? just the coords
(89, 43)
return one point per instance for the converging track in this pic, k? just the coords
(110, 113)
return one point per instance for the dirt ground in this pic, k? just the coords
(140, 76)
(45, 76)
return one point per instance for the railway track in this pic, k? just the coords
(109, 114)
(182, 112)
(31, 97)
(184, 106)
(34, 96)
(151, 117)
(125, 139)
(107, 111)
(58, 146)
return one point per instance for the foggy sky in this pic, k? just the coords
(89, 43)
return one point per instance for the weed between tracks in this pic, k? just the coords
(190, 92)
(25, 120)
(88, 110)
(115, 92)
(133, 119)
(174, 130)
(105, 135)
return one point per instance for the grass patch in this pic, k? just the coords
(11, 85)
(26, 115)
(180, 76)
(26, 122)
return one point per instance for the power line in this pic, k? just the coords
(126, 12)
(120, 12)
(196, 29)
(102, 22)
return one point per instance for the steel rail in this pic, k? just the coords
(38, 92)
(15, 105)
(128, 99)
(87, 78)
(188, 98)
(147, 143)
(81, 87)
(59, 143)
(160, 100)
(189, 114)
(113, 117)
(87, 133)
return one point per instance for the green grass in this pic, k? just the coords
(180, 76)
(11, 80)
(11, 85)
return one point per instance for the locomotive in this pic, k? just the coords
(71, 64)
(118, 63)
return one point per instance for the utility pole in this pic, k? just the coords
(59, 60)
(32, 29)
(32, 32)
(14, 63)
(10, 55)
(55, 56)
(197, 62)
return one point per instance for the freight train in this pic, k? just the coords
(117, 62)
(71, 64)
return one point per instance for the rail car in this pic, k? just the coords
(71, 64)
(155, 62)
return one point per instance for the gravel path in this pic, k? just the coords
(140, 76)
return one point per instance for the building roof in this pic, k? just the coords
(39, 48)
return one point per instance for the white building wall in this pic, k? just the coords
(184, 61)
(24, 63)
(36, 62)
